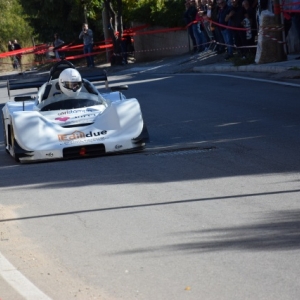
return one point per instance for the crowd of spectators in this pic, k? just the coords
(231, 24)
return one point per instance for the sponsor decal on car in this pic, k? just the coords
(84, 141)
(86, 116)
(78, 111)
(62, 119)
(76, 135)
(75, 120)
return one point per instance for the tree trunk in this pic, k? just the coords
(115, 28)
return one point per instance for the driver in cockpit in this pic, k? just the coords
(70, 82)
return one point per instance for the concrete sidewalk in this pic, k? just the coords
(290, 64)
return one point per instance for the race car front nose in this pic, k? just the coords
(86, 150)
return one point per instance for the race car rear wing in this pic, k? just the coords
(27, 83)
(37, 82)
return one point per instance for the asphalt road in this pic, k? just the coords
(209, 211)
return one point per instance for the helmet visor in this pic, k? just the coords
(72, 85)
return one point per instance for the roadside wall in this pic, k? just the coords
(159, 45)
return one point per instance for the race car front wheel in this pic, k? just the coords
(4, 134)
(13, 144)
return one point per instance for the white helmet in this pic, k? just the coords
(70, 82)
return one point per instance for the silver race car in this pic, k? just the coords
(70, 118)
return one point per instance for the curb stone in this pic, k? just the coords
(248, 68)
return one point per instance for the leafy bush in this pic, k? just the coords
(13, 25)
(165, 13)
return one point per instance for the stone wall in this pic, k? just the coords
(159, 45)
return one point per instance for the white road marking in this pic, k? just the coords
(242, 77)
(19, 282)
(146, 69)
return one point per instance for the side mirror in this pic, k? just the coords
(119, 88)
(24, 98)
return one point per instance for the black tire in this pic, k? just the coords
(13, 141)
(4, 134)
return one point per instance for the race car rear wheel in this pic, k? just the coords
(13, 142)
(4, 134)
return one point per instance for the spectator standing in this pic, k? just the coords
(188, 19)
(88, 43)
(216, 30)
(209, 8)
(250, 13)
(287, 22)
(223, 17)
(57, 43)
(203, 12)
(18, 57)
(203, 6)
(196, 26)
(236, 20)
(10, 47)
(197, 31)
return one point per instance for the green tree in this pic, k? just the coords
(65, 17)
(168, 13)
(13, 24)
